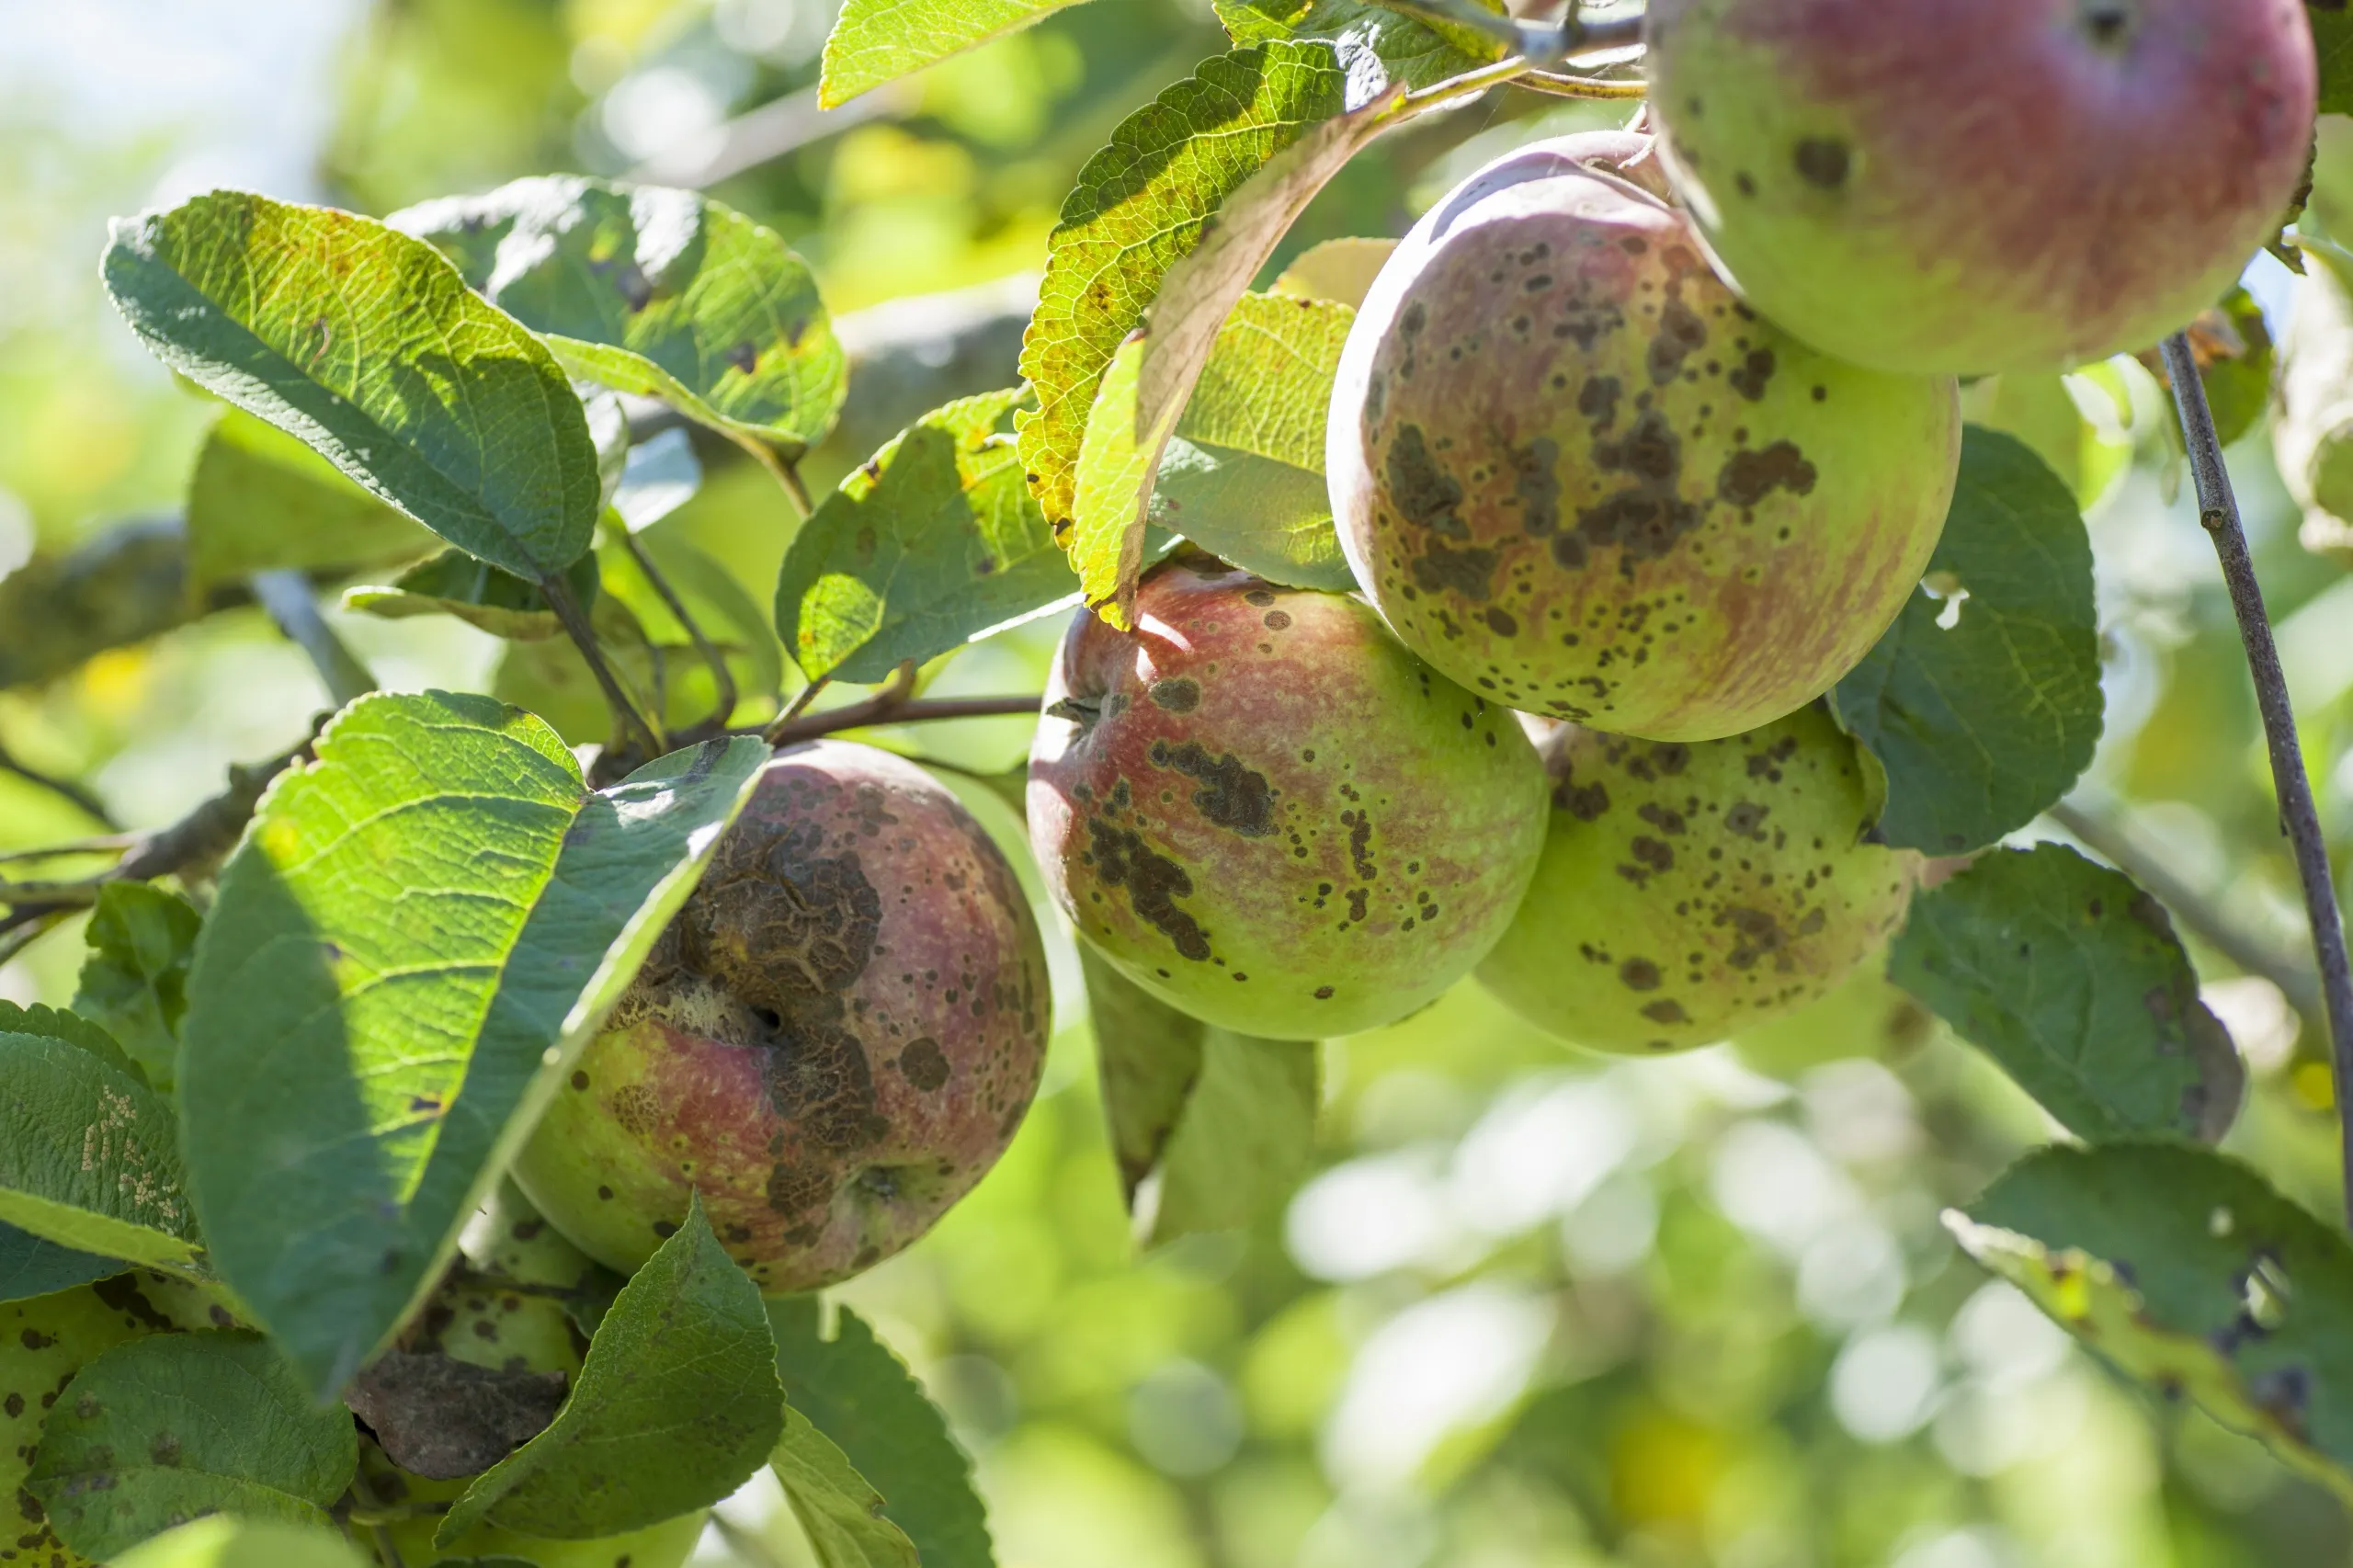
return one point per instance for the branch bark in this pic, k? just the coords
(2218, 509)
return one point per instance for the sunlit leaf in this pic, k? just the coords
(1374, 43)
(367, 345)
(1340, 270)
(839, 1511)
(220, 1542)
(421, 929)
(134, 984)
(661, 292)
(875, 41)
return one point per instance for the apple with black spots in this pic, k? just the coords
(1577, 475)
(2007, 185)
(1691, 891)
(832, 1042)
(1267, 814)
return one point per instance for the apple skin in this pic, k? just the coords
(45, 1340)
(1266, 813)
(2007, 185)
(1693, 893)
(832, 1042)
(1581, 478)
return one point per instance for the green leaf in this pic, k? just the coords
(1140, 206)
(863, 1398)
(661, 292)
(1984, 708)
(2333, 39)
(33, 1265)
(1373, 41)
(134, 984)
(477, 592)
(676, 1404)
(2186, 1271)
(838, 1510)
(1210, 1128)
(548, 678)
(165, 1427)
(366, 344)
(932, 544)
(875, 41)
(87, 1155)
(1246, 478)
(220, 1542)
(2072, 978)
(419, 933)
(261, 501)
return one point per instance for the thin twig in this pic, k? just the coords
(287, 598)
(723, 707)
(49, 894)
(894, 692)
(2218, 509)
(112, 844)
(894, 704)
(802, 698)
(89, 805)
(2109, 841)
(559, 594)
(20, 928)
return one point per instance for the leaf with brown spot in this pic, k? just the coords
(162, 1428)
(442, 1419)
(2071, 978)
(2186, 1271)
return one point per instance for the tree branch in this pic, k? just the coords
(2111, 842)
(886, 708)
(89, 805)
(2299, 817)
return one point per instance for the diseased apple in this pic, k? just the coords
(834, 1039)
(2010, 185)
(1265, 813)
(1576, 473)
(1692, 893)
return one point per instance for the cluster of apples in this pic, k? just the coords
(1640, 443)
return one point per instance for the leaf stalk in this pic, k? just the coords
(639, 730)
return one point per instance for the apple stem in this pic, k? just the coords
(2218, 509)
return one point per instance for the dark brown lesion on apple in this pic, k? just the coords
(1153, 883)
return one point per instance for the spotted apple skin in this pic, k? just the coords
(1691, 891)
(1579, 476)
(1265, 813)
(2006, 184)
(832, 1042)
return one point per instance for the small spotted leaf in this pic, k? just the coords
(2187, 1272)
(421, 929)
(1244, 479)
(1983, 701)
(134, 984)
(665, 293)
(364, 343)
(164, 1428)
(862, 1397)
(935, 542)
(2071, 977)
(1211, 1129)
(88, 1156)
(676, 1404)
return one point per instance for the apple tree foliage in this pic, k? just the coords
(298, 1063)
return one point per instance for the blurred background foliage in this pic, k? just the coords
(1532, 1310)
